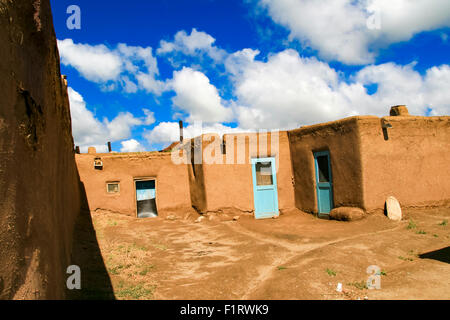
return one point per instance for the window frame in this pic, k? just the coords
(111, 183)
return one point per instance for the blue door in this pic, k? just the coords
(146, 199)
(265, 188)
(324, 182)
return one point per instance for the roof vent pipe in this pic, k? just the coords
(181, 131)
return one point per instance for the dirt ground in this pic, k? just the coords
(296, 256)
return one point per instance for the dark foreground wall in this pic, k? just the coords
(39, 184)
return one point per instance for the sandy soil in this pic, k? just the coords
(296, 256)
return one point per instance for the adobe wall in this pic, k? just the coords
(412, 165)
(172, 185)
(341, 139)
(230, 185)
(39, 185)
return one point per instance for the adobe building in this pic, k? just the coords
(354, 162)
(141, 184)
(360, 161)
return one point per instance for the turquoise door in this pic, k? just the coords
(265, 192)
(146, 199)
(324, 182)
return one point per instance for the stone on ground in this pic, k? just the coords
(393, 209)
(347, 214)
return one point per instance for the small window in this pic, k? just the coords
(264, 174)
(113, 187)
(324, 174)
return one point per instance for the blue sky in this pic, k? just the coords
(137, 67)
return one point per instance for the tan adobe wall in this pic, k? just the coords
(413, 165)
(39, 185)
(172, 186)
(341, 139)
(230, 185)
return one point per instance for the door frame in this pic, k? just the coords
(275, 186)
(316, 180)
(135, 192)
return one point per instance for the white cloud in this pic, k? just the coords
(164, 132)
(239, 60)
(197, 43)
(89, 131)
(148, 83)
(131, 146)
(196, 96)
(131, 67)
(149, 117)
(86, 129)
(120, 127)
(342, 29)
(168, 132)
(95, 63)
(288, 91)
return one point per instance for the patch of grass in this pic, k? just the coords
(146, 270)
(138, 247)
(112, 223)
(331, 272)
(117, 269)
(411, 225)
(134, 292)
(443, 223)
(412, 253)
(282, 268)
(421, 232)
(383, 273)
(435, 235)
(405, 259)
(359, 285)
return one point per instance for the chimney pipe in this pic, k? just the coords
(109, 147)
(181, 131)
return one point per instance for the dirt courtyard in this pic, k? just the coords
(296, 256)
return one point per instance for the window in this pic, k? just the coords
(324, 174)
(113, 187)
(264, 174)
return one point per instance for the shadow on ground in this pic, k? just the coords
(442, 255)
(95, 281)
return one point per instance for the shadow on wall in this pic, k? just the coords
(95, 281)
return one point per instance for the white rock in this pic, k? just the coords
(393, 209)
(236, 218)
(199, 219)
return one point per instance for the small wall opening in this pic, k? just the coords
(113, 187)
